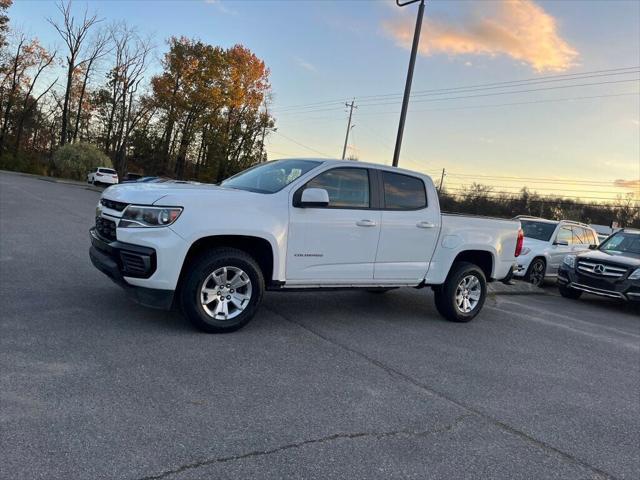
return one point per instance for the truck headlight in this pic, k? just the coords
(635, 275)
(135, 216)
(570, 261)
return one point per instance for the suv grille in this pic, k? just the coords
(106, 228)
(113, 205)
(601, 269)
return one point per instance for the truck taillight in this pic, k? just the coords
(519, 242)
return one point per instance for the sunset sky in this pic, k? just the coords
(567, 123)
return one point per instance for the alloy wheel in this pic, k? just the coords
(225, 293)
(468, 293)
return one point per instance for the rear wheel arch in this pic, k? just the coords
(482, 258)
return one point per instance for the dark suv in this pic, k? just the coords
(609, 270)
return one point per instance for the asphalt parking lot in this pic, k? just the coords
(319, 385)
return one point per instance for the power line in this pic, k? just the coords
(561, 181)
(503, 84)
(468, 107)
(546, 195)
(460, 187)
(303, 145)
(492, 94)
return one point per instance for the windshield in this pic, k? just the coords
(107, 171)
(538, 230)
(270, 177)
(622, 243)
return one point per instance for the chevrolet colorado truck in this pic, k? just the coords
(295, 224)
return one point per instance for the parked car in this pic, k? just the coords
(147, 180)
(546, 242)
(131, 177)
(291, 225)
(103, 176)
(610, 270)
(603, 231)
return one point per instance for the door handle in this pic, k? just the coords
(425, 225)
(366, 223)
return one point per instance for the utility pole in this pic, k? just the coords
(407, 87)
(441, 181)
(264, 133)
(346, 139)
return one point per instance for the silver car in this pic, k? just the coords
(546, 242)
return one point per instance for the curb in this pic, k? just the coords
(63, 181)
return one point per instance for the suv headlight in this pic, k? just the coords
(570, 261)
(635, 275)
(135, 216)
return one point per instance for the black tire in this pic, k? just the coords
(96, 183)
(567, 292)
(536, 272)
(381, 289)
(199, 271)
(445, 295)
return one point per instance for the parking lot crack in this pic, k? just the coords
(378, 435)
(393, 372)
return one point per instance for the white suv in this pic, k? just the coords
(546, 242)
(103, 175)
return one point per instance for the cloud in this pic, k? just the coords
(221, 7)
(630, 184)
(306, 65)
(517, 28)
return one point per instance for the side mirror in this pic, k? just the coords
(593, 247)
(561, 243)
(314, 197)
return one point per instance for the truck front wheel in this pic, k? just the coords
(222, 290)
(462, 295)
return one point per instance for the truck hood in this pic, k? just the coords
(175, 193)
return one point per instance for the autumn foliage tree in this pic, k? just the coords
(209, 101)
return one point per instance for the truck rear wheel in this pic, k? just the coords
(462, 295)
(222, 290)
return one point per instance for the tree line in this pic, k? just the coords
(478, 199)
(203, 116)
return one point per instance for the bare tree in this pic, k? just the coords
(99, 48)
(126, 109)
(74, 34)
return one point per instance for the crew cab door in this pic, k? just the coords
(409, 229)
(334, 244)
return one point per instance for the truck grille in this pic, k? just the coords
(106, 228)
(113, 205)
(602, 269)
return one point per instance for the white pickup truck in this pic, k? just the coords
(295, 224)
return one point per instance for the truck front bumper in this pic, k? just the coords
(622, 289)
(118, 260)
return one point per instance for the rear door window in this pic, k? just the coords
(403, 192)
(565, 235)
(580, 236)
